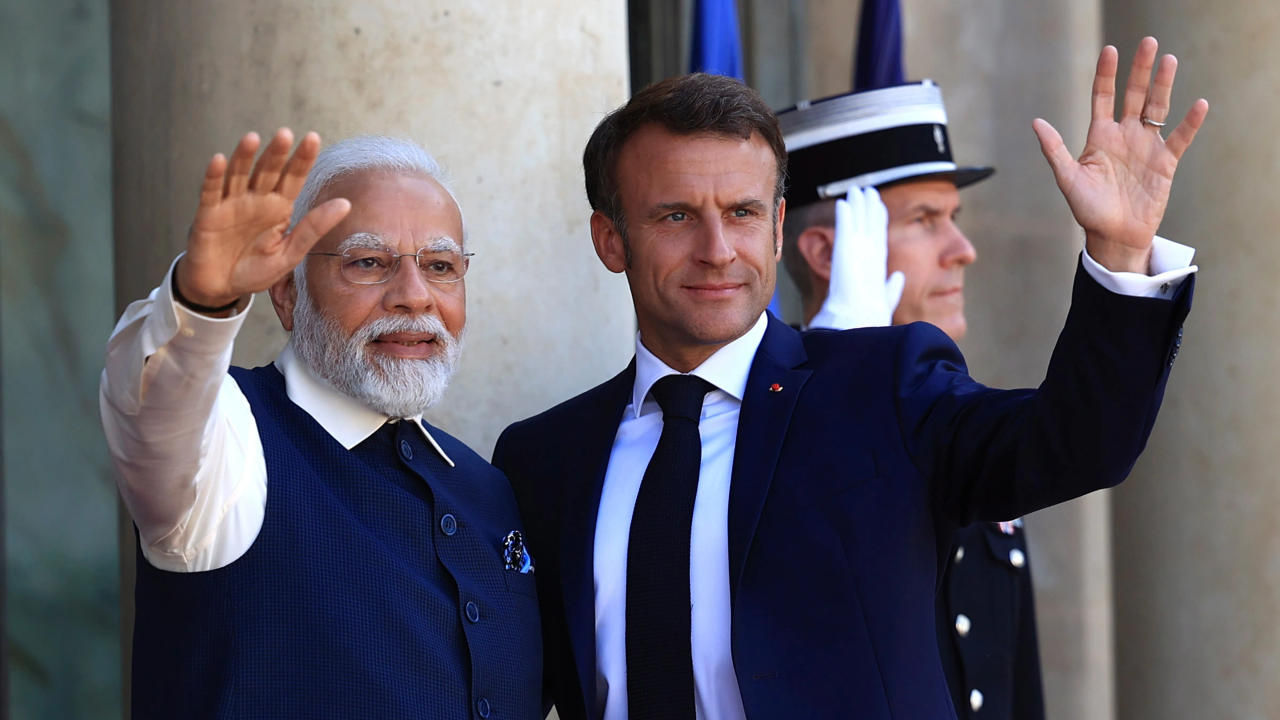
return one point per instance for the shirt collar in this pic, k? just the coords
(349, 421)
(727, 368)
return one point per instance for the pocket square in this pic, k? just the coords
(515, 555)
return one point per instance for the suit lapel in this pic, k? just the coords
(773, 386)
(595, 436)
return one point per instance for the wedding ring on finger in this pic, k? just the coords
(1153, 123)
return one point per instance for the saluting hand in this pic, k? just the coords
(1119, 188)
(859, 294)
(239, 242)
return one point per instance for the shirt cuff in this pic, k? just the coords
(195, 331)
(1170, 265)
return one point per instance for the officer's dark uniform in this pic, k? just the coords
(987, 625)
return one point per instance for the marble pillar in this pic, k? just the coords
(505, 95)
(1197, 543)
(1002, 63)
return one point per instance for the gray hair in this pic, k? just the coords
(365, 153)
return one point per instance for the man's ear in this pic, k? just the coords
(610, 247)
(284, 296)
(777, 231)
(815, 244)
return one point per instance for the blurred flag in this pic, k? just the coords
(878, 61)
(716, 47)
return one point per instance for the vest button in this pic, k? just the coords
(473, 612)
(405, 450)
(482, 708)
(448, 524)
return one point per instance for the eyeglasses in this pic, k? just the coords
(372, 266)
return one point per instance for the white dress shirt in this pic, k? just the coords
(717, 696)
(190, 463)
(715, 685)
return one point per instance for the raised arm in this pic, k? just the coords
(998, 454)
(181, 434)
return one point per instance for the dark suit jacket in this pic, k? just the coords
(846, 487)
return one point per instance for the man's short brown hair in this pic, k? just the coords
(686, 105)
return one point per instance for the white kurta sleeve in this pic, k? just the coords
(189, 460)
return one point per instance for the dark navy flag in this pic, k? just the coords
(716, 47)
(878, 61)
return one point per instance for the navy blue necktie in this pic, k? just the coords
(659, 655)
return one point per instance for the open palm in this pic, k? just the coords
(240, 241)
(1119, 187)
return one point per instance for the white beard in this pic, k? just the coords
(396, 387)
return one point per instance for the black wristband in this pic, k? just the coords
(177, 295)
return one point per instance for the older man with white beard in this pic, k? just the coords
(308, 545)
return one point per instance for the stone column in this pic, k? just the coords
(504, 94)
(1000, 64)
(1197, 549)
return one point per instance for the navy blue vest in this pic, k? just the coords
(375, 589)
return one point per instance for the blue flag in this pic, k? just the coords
(878, 60)
(716, 47)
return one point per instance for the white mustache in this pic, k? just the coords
(424, 324)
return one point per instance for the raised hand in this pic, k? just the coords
(859, 294)
(1119, 188)
(238, 244)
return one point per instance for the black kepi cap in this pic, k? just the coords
(869, 138)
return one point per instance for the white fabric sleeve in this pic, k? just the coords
(1169, 267)
(189, 461)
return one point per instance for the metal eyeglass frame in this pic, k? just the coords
(395, 265)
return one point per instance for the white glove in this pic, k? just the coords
(859, 295)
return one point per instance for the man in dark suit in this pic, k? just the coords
(744, 572)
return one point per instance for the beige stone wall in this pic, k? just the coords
(1196, 534)
(830, 34)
